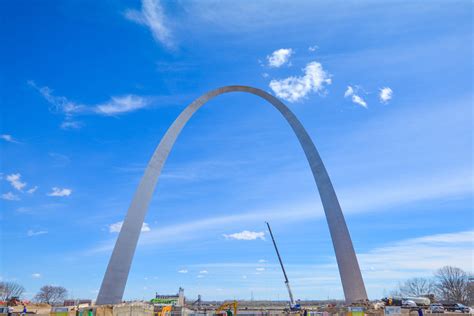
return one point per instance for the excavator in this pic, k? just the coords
(228, 306)
(165, 311)
(293, 306)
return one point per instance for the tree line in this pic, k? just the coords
(448, 284)
(48, 294)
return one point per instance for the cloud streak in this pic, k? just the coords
(116, 105)
(152, 16)
(8, 138)
(357, 99)
(15, 181)
(382, 196)
(58, 192)
(32, 233)
(246, 235)
(9, 196)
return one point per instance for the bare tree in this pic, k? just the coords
(417, 287)
(51, 294)
(9, 290)
(452, 284)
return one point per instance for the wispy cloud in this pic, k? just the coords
(382, 267)
(183, 271)
(8, 138)
(69, 124)
(15, 181)
(117, 105)
(116, 227)
(357, 99)
(313, 48)
(55, 191)
(385, 94)
(349, 92)
(152, 16)
(432, 252)
(279, 57)
(36, 275)
(9, 196)
(382, 196)
(32, 190)
(294, 89)
(246, 235)
(120, 105)
(32, 233)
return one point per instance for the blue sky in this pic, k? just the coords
(88, 88)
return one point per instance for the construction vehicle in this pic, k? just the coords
(228, 306)
(293, 305)
(165, 311)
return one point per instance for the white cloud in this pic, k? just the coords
(60, 192)
(260, 269)
(200, 276)
(293, 89)
(10, 197)
(123, 104)
(15, 181)
(115, 106)
(145, 228)
(116, 227)
(358, 100)
(203, 272)
(32, 233)
(69, 124)
(183, 271)
(385, 94)
(313, 48)
(246, 235)
(152, 16)
(279, 57)
(262, 261)
(32, 190)
(432, 252)
(8, 138)
(36, 275)
(350, 92)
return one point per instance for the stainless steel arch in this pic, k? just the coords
(115, 278)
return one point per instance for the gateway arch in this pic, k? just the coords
(115, 278)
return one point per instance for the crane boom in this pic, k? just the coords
(287, 283)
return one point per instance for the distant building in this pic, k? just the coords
(173, 300)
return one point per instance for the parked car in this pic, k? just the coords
(458, 307)
(436, 308)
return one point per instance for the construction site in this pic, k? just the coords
(178, 304)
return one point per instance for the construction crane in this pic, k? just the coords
(293, 306)
(228, 306)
